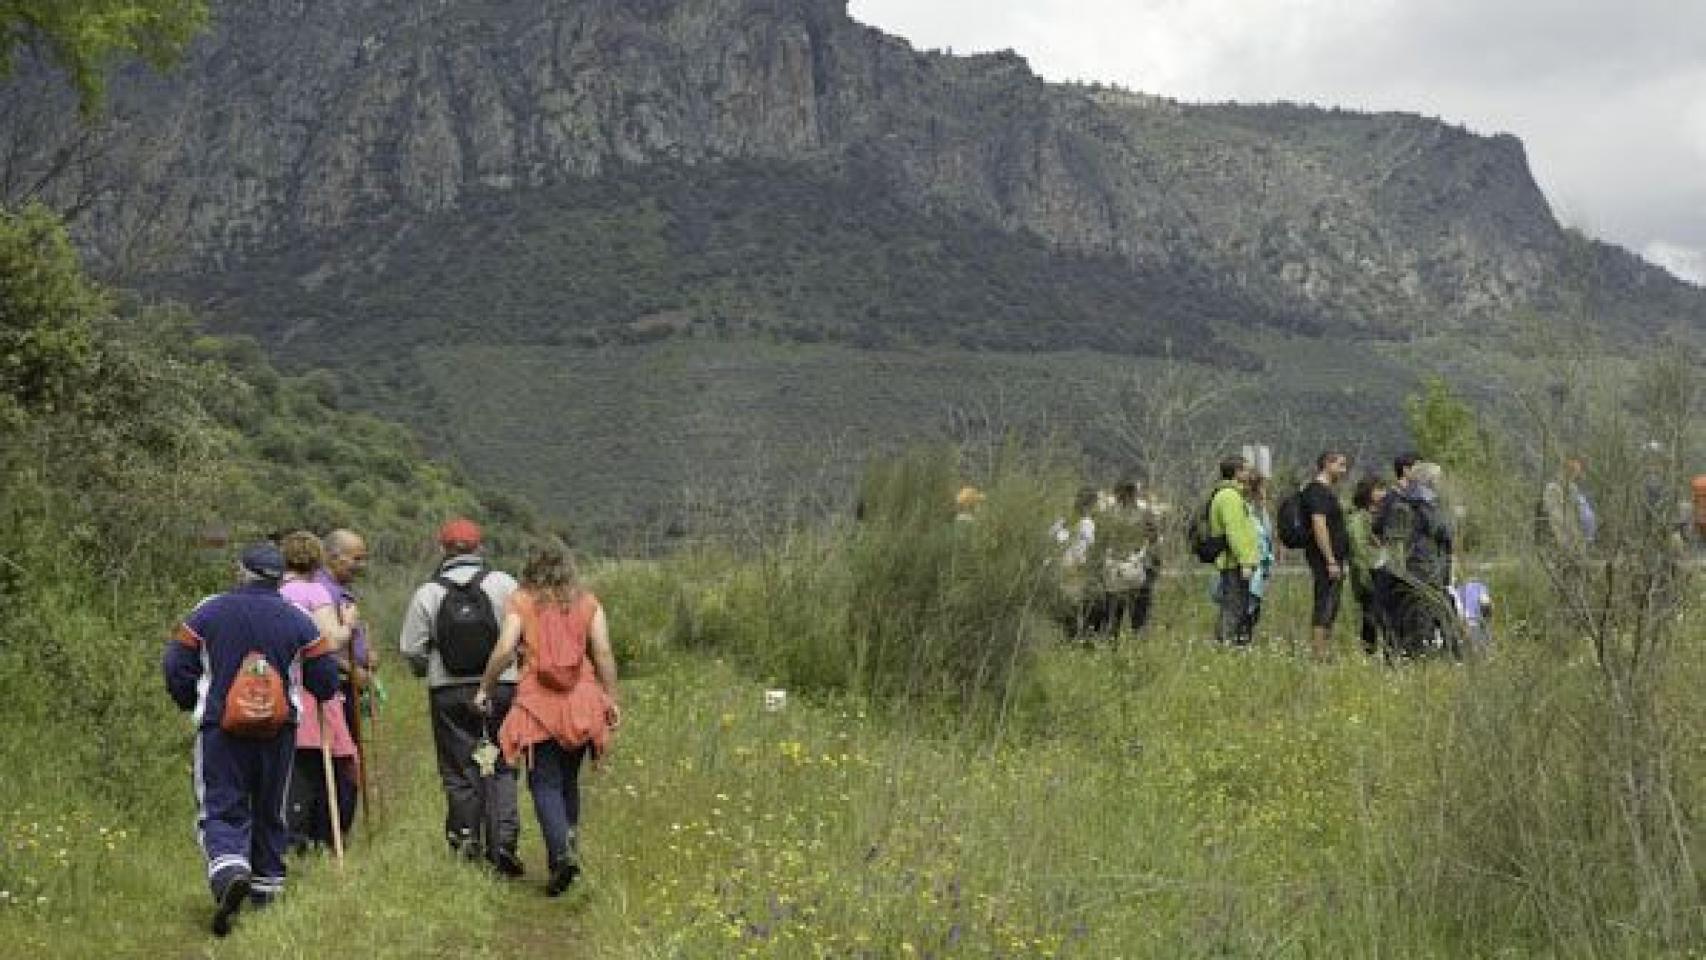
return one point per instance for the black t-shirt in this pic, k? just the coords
(1318, 499)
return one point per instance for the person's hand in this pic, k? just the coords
(482, 701)
(613, 715)
(1334, 571)
(1247, 573)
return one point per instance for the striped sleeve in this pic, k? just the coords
(186, 637)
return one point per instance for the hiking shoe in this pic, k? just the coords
(508, 865)
(563, 876)
(230, 901)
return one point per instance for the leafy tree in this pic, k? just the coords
(1444, 427)
(46, 308)
(85, 36)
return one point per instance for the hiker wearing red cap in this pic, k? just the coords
(448, 634)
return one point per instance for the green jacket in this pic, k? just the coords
(1367, 555)
(1228, 515)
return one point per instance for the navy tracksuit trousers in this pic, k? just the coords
(241, 788)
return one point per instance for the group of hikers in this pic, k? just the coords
(1395, 546)
(278, 675)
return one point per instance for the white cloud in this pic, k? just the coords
(1689, 263)
(1609, 96)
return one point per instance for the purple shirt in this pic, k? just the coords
(341, 595)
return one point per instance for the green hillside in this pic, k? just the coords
(621, 441)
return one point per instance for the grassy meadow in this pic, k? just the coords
(1155, 798)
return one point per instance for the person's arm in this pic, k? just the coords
(416, 638)
(604, 664)
(181, 665)
(1234, 520)
(1324, 543)
(319, 661)
(502, 656)
(335, 633)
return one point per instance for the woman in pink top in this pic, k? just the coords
(310, 820)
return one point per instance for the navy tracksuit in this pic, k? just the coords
(242, 785)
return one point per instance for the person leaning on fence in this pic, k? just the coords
(566, 703)
(448, 635)
(1229, 517)
(230, 662)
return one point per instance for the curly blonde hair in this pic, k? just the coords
(303, 552)
(551, 575)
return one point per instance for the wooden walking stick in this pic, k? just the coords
(336, 815)
(375, 796)
(360, 742)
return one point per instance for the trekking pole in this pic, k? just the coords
(356, 731)
(370, 755)
(336, 815)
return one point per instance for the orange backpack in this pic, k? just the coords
(255, 706)
(559, 650)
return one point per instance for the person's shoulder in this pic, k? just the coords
(499, 579)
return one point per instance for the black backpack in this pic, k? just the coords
(1293, 530)
(466, 628)
(1207, 549)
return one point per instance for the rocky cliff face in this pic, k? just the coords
(296, 118)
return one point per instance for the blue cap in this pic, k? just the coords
(264, 561)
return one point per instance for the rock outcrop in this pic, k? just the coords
(295, 118)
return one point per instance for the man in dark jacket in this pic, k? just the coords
(241, 780)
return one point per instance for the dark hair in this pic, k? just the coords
(1363, 497)
(1230, 466)
(1402, 463)
(1328, 457)
(1086, 498)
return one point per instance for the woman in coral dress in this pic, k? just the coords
(565, 704)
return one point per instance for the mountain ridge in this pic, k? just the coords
(293, 120)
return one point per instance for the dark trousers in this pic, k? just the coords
(1122, 606)
(481, 817)
(240, 789)
(310, 815)
(1372, 605)
(1234, 609)
(554, 781)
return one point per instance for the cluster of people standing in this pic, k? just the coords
(1110, 560)
(277, 674)
(1395, 546)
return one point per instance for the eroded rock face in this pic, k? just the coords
(297, 117)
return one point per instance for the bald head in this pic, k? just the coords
(346, 555)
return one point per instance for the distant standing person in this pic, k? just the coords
(449, 633)
(566, 703)
(1368, 562)
(1568, 522)
(1256, 501)
(1420, 548)
(1328, 549)
(230, 661)
(310, 807)
(1229, 518)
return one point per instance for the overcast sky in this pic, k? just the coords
(1609, 95)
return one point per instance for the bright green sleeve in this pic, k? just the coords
(1233, 519)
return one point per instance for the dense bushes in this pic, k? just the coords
(906, 601)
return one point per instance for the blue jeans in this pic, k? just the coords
(554, 781)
